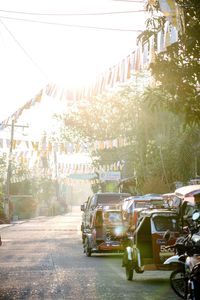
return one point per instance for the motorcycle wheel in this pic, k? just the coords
(129, 272)
(178, 283)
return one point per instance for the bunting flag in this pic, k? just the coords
(64, 148)
(152, 48)
(137, 61)
(168, 8)
(41, 154)
(160, 41)
(128, 75)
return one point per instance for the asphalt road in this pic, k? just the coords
(43, 258)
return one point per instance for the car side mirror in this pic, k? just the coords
(82, 207)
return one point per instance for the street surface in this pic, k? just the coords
(43, 258)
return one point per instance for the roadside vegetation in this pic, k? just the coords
(26, 192)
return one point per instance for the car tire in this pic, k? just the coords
(88, 250)
(129, 272)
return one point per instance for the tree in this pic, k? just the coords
(157, 151)
(177, 70)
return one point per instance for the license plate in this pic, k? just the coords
(160, 242)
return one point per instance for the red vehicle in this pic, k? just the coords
(147, 245)
(106, 232)
(98, 199)
(132, 207)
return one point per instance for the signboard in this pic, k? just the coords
(87, 176)
(110, 176)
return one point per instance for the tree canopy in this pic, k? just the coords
(177, 70)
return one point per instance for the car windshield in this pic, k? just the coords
(109, 199)
(147, 204)
(163, 223)
(112, 217)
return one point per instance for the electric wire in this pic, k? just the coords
(134, 1)
(73, 14)
(71, 25)
(24, 51)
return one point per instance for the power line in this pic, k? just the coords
(71, 25)
(73, 14)
(134, 1)
(25, 52)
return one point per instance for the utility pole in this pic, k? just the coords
(9, 170)
(7, 189)
(56, 175)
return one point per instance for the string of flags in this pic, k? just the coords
(40, 158)
(23, 146)
(137, 61)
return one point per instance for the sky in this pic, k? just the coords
(66, 42)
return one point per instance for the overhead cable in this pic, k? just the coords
(73, 14)
(134, 1)
(25, 52)
(70, 25)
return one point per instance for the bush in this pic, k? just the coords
(24, 208)
(3, 218)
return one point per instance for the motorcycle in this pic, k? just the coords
(185, 279)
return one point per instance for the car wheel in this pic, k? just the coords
(129, 272)
(83, 238)
(88, 250)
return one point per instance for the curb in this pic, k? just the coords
(12, 223)
(2, 226)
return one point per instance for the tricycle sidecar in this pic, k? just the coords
(147, 246)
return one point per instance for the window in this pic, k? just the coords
(163, 223)
(113, 217)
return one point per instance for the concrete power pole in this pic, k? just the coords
(9, 170)
(7, 190)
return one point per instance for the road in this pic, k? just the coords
(43, 258)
